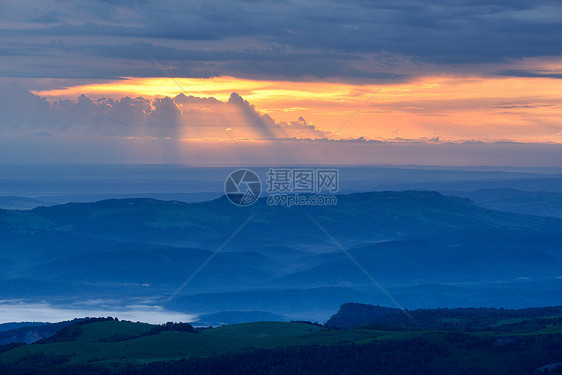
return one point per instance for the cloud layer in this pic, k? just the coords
(106, 39)
(181, 117)
(450, 70)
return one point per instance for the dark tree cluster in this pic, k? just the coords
(434, 353)
(73, 331)
(170, 326)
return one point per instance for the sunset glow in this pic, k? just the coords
(452, 108)
(344, 73)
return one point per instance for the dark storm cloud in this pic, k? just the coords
(290, 38)
(142, 50)
(523, 73)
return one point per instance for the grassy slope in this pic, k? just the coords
(92, 346)
(113, 343)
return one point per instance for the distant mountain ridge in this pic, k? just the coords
(357, 315)
(29, 333)
(393, 213)
(22, 203)
(542, 203)
(143, 249)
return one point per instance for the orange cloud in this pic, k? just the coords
(451, 107)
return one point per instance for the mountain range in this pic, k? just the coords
(424, 248)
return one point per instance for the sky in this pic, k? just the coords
(271, 82)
